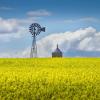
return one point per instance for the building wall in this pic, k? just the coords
(56, 54)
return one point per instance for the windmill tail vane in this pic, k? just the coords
(43, 29)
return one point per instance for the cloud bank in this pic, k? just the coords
(82, 42)
(39, 13)
(84, 19)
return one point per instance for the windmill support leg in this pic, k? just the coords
(33, 53)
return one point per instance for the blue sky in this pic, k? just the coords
(61, 10)
(58, 16)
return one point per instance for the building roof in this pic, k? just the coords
(57, 50)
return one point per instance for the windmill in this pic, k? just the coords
(35, 29)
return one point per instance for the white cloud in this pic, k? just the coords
(14, 28)
(87, 39)
(85, 19)
(6, 8)
(90, 19)
(39, 13)
(8, 26)
(84, 43)
(69, 41)
(14, 25)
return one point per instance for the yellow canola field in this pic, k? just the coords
(50, 79)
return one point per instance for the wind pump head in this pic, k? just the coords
(35, 29)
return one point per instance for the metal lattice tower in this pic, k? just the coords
(35, 29)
